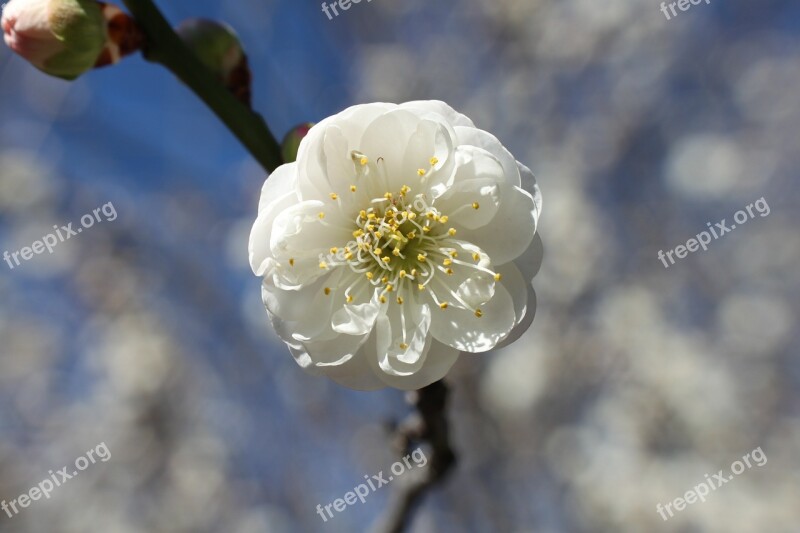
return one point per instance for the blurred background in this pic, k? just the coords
(148, 333)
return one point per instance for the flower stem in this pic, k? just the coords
(163, 46)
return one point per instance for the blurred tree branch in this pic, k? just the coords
(163, 46)
(427, 423)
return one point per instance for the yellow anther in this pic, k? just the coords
(453, 254)
(321, 215)
(378, 234)
(443, 219)
(362, 214)
(444, 305)
(404, 189)
(386, 259)
(412, 215)
(421, 258)
(378, 251)
(396, 252)
(434, 160)
(421, 171)
(446, 262)
(431, 215)
(327, 291)
(449, 271)
(370, 275)
(385, 279)
(403, 346)
(334, 250)
(334, 196)
(476, 205)
(358, 233)
(402, 274)
(349, 298)
(400, 300)
(451, 231)
(478, 313)
(323, 265)
(348, 256)
(421, 287)
(476, 256)
(364, 161)
(352, 188)
(388, 196)
(426, 229)
(389, 287)
(498, 277)
(291, 261)
(382, 299)
(370, 227)
(414, 272)
(371, 216)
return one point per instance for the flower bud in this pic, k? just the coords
(62, 38)
(218, 48)
(291, 141)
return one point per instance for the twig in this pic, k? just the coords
(163, 46)
(428, 423)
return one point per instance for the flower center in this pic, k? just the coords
(402, 243)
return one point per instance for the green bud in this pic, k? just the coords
(291, 142)
(62, 38)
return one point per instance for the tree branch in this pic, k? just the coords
(163, 46)
(428, 423)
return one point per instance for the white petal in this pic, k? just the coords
(461, 329)
(260, 253)
(490, 143)
(437, 362)
(478, 178)
(309, 308)
(521, 292)
(282, 181)
(511, 230)
(530, 261)
(385, 139)
(430, 140)
(402, 332)
(529, 184)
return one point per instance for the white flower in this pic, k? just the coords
(401, 236)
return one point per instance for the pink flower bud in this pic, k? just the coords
(62, 38)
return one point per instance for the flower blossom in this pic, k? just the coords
(402, 236)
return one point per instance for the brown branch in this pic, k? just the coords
(427, 424)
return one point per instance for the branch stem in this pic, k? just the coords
(163, 46)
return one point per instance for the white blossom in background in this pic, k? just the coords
(402, 236)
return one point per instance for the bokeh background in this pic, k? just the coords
(147, 333)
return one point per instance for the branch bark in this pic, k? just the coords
(428, 423)
(163, 46)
